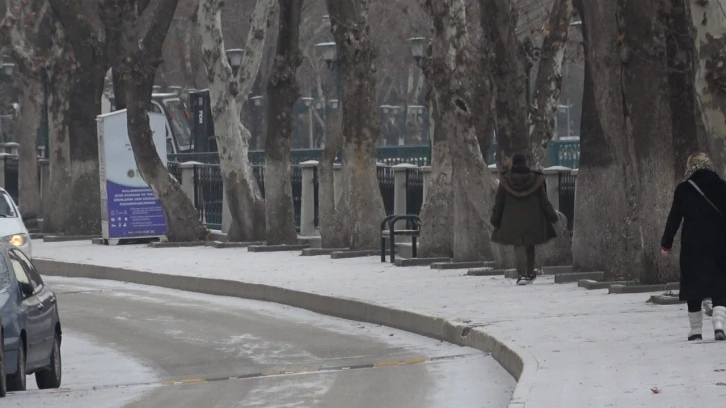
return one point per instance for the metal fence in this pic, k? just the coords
(567, 184)
(296, 173)
(414, 191)
(208, 194)
(174, 170)
(559, 153)
(11, 177)
(316, 191)
(259, 172)
(386, 182)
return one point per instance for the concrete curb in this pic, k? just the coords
(616, 289)
(590, 284)
(403, 262)
(518, 362)
(573, 277)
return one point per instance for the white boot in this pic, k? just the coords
(719, 321)
(696, 319)
(708, 305)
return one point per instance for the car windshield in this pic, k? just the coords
(180, 125)
(7, 209)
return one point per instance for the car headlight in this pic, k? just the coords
(16, 239)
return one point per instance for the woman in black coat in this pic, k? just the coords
(700, 203)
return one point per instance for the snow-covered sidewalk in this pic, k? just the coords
(593, 349)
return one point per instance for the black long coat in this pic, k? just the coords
(703, 237)
(522, 214)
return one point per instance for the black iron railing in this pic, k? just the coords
(414, 191)
(208, 194)
(386, 183)
(567, 183)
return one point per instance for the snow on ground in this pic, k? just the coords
(593, 349)
(87, 364)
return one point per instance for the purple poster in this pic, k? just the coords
(133, 212)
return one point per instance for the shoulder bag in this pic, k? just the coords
(704, 196)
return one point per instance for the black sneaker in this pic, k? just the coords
(720, 335)
(526, 279)
(695, 337)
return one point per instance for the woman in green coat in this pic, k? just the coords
(522, 215)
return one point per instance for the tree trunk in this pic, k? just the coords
(627, 141)
(141, 58)
(283, 92)
(75, 101)
(508, 66)
(333, 231)
(547, 86)
(470, 180)
(689, 135)
(437, 215)
(709, 23)
(31, 115)
(244, 198)
(361, 121)
(76, 84)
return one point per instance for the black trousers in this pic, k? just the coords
(694, 305)
(524, 255)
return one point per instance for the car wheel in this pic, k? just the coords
(3, 380)
(50, 377)
(16, 382)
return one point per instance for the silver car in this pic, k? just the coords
(30, 323)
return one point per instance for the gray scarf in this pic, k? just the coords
(702, 165)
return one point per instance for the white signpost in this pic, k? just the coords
(129, 209)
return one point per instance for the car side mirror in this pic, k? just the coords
(26, 288)
(29, 216)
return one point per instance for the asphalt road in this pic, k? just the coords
(209, 351)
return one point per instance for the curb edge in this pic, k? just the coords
(516, 361)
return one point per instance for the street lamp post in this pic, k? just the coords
(234, 56)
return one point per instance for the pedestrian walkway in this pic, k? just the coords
(592, 349)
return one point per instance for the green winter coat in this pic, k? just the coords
(522, 214)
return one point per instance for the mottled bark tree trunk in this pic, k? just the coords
(75, 208)
(21, 30)
(627, 141)
(283, 92)
(244, 197)
(472, 184)
(688, 133)
(437, 212)
(333, 230)
(141, 58)
(361, 121)
(508, 66)
(548, 83)
(709, 24)
(31, 116)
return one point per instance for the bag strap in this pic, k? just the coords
(704, 196)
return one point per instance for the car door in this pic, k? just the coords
(44, 304)
(32, 306)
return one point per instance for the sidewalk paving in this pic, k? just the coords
(592, 349)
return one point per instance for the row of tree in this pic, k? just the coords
(653, 94)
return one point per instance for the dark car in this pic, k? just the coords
(30, 323)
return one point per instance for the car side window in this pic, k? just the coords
(30, 270)
(20, 275)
